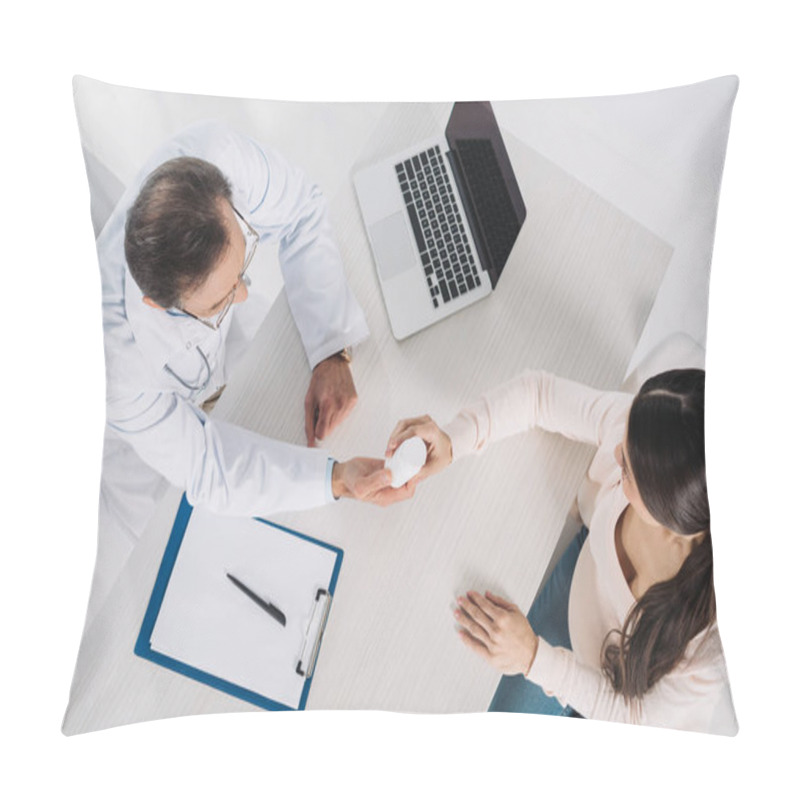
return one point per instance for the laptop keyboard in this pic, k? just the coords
(447, 257)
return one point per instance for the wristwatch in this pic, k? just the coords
(344, 354)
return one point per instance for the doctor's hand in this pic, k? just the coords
(330, 398)
(366, 479)
(497, 631)
(440, 448)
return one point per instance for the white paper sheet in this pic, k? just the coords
(208, 623)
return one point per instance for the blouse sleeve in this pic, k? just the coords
(536, 399)
(694, 696)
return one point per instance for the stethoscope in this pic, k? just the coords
(188, 385)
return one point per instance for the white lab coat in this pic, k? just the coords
(156, 429)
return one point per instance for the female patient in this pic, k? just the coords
(625, 628)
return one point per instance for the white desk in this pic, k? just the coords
(574, 298)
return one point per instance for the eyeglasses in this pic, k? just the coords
(251, 242)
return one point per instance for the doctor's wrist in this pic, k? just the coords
(338, 486)
(342, 355)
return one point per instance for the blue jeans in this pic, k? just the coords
(548, 618)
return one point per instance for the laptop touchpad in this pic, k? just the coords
(393, 246)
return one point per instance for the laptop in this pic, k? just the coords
(441, 218)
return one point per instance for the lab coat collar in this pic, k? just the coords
(161, 334)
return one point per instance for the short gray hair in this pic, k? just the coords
(175, 233)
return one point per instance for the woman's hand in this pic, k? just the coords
(440, 449)
(498, 631)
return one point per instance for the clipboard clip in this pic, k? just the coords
(314, 630)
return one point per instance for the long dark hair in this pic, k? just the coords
(666, 449)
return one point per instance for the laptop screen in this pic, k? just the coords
(488, 186)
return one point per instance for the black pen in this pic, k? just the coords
(272, 610)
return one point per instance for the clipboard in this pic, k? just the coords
(199, 624)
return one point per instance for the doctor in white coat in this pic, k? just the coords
(173, 259)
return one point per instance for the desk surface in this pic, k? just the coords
(574, 298)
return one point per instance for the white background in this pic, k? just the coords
(52, 397)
